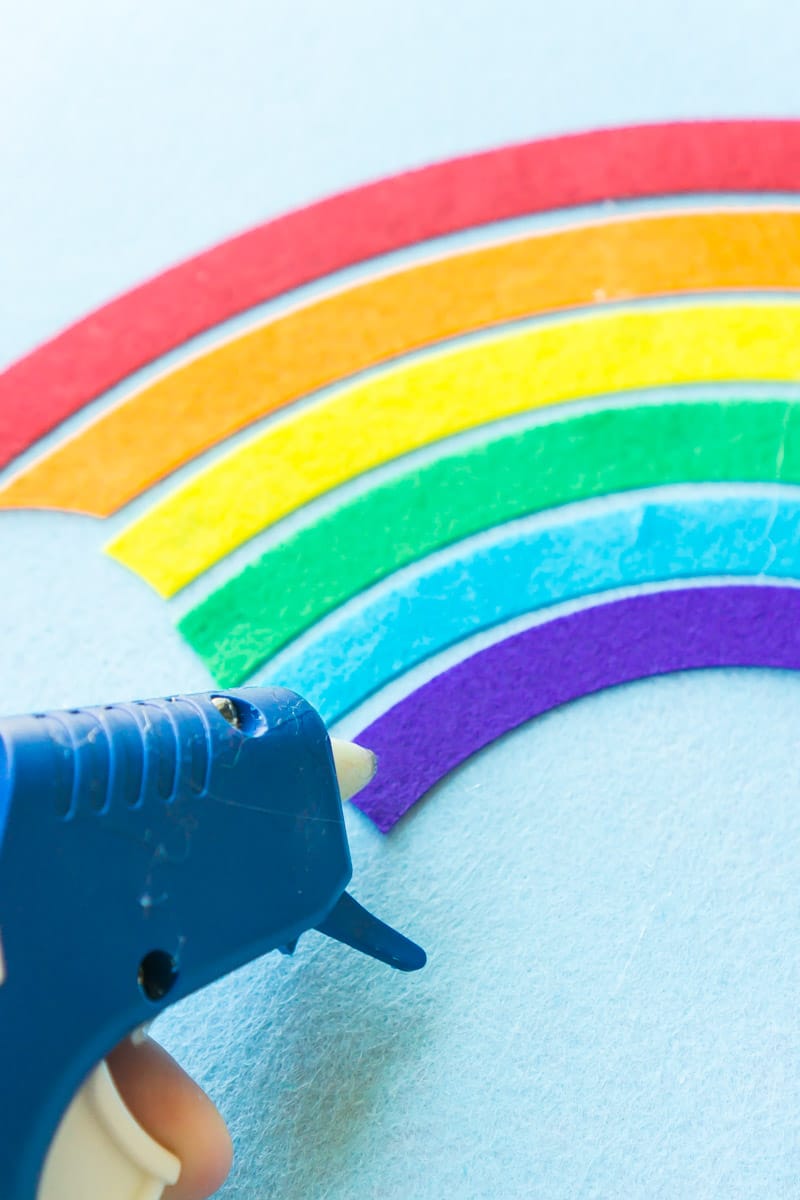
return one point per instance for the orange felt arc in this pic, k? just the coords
(193, 407)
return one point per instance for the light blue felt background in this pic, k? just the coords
(609, 897)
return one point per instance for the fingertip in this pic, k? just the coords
(204, 1168)
(175, 1111)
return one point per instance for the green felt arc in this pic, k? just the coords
(297, 582)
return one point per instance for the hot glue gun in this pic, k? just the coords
(147, 849)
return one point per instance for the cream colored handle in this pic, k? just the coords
(100, 1152)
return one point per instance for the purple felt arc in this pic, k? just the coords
(467, 707)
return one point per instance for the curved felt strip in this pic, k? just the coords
(466, 708)
(198, 404)
(362, 651)
(296, 582)
(324, 445)
(97, 352)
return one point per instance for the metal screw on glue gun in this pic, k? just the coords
(226, 708)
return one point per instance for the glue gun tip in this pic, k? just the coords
(355, 766)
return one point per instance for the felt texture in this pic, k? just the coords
(177, 416)
(607, 898)
(386, 632)
(301, 579)
(103, 348)
(606, 894)
(368, 424)
(466, 708)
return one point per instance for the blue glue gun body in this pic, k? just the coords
(146, 849)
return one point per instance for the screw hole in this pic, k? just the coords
(157, 974)
(240, 714)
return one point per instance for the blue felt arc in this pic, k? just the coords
(360, 649)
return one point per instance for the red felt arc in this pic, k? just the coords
(97, 352)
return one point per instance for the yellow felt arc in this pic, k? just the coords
(324, 445)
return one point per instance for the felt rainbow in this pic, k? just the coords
(597, 310)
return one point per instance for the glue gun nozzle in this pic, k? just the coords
(354, 765)
(348, 922)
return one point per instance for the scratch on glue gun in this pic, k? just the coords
(147, 849)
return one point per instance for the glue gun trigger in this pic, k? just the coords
(351, 924)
